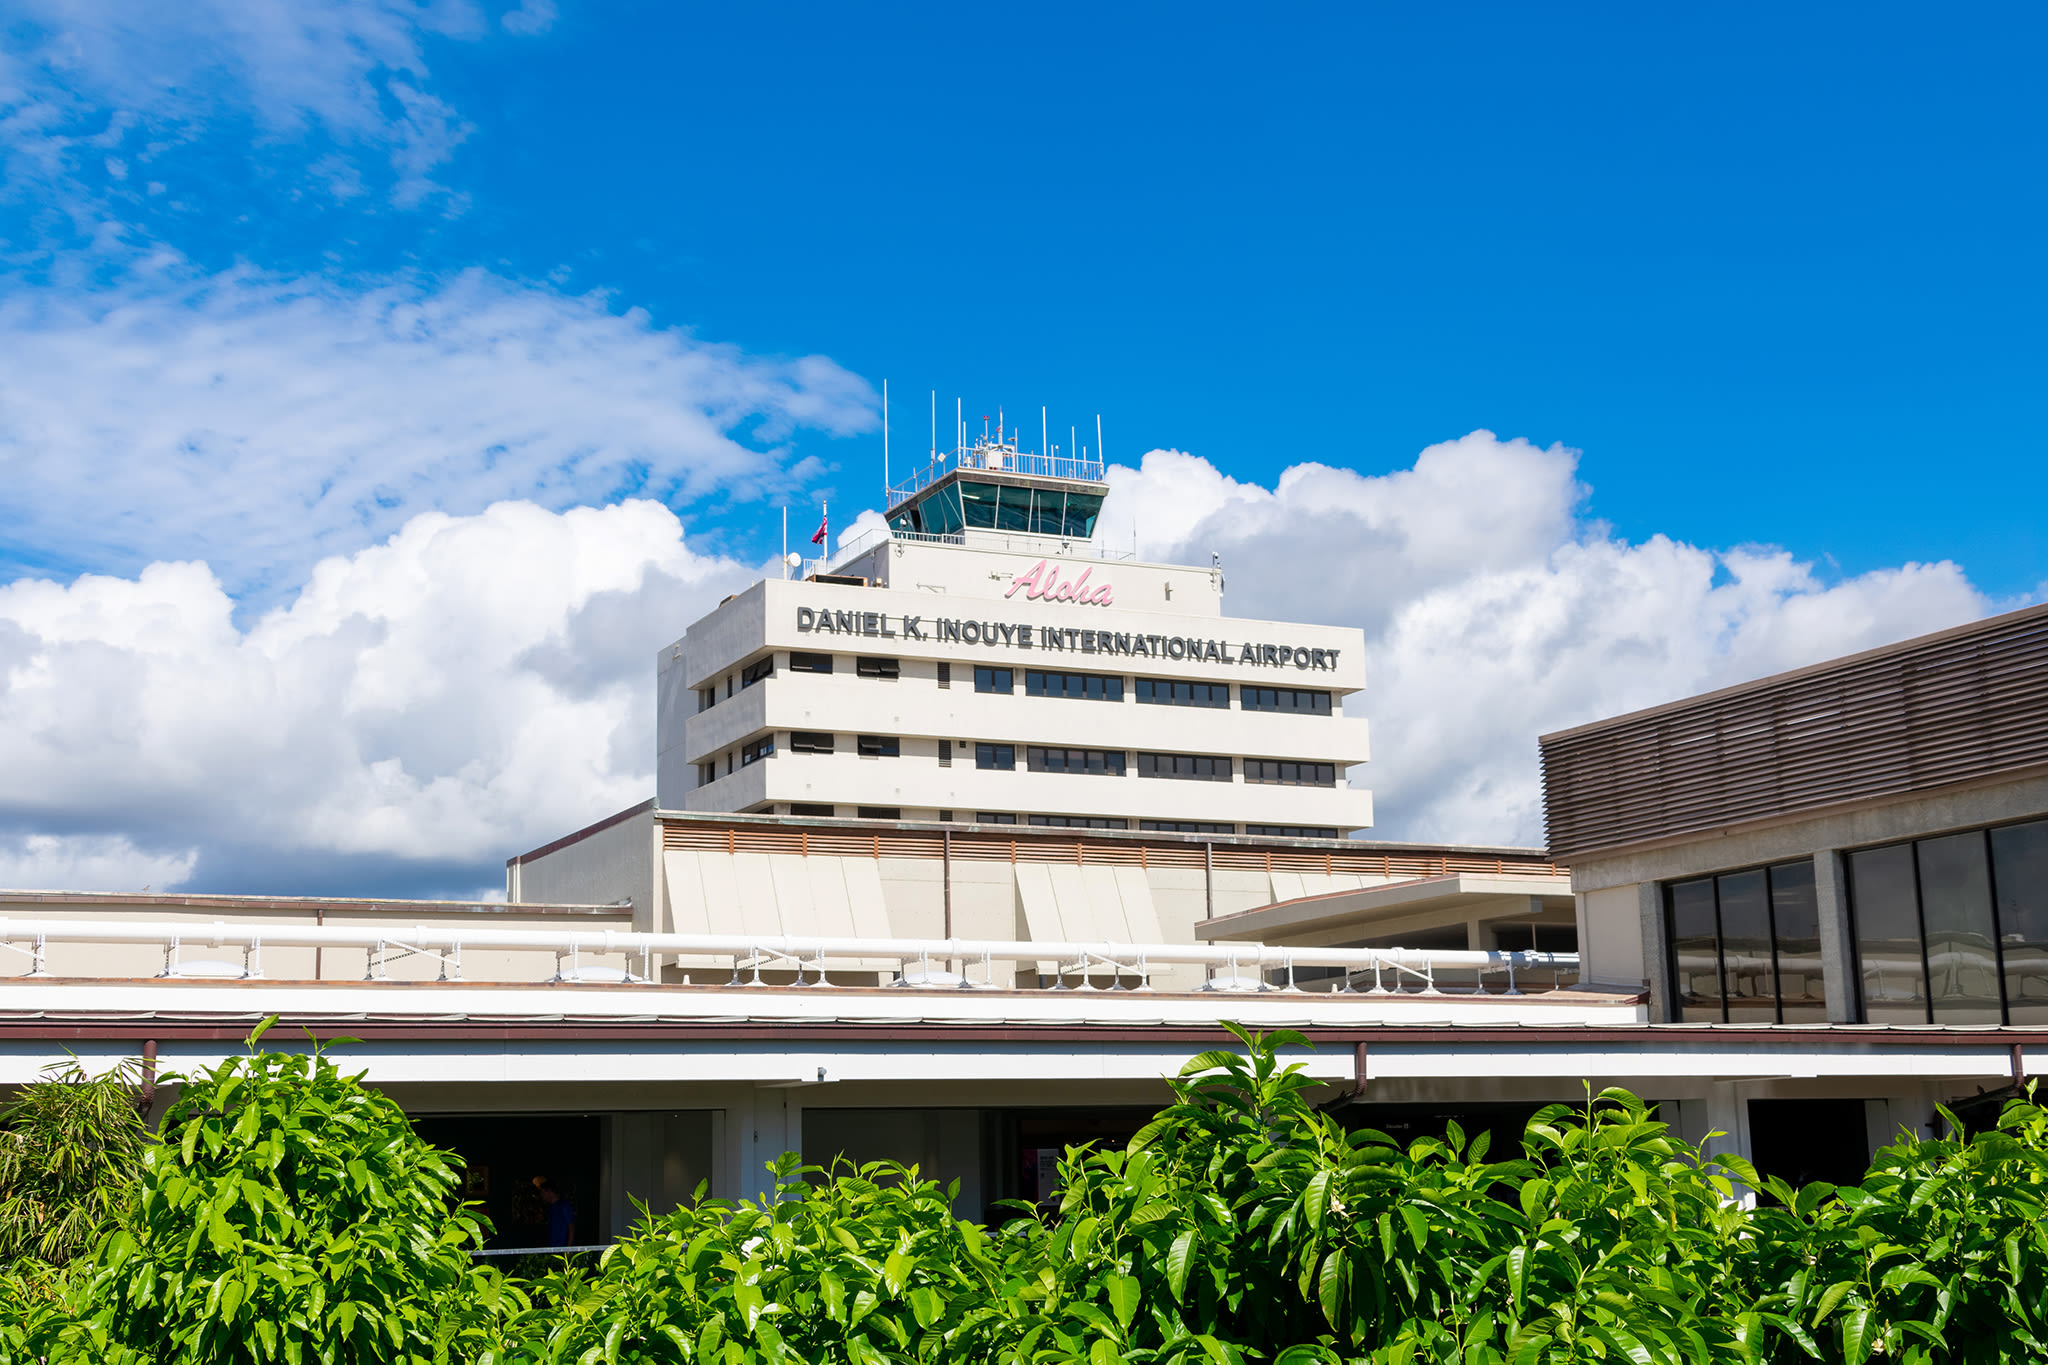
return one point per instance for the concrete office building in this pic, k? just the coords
(990, 662)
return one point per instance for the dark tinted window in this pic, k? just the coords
(1745, 947)
(876, 668)
(1288, 772)
(988, 679)
(2019, 864)
(810, 742)
(811, 808)
(1168, 692)
(1955, 913)
(945, 675)
(757, 750)
(1102, 762)
(754, 672)
(880, 812)
(1292, 831)
(1186, 827)
(1073, 686)
(989, 817)
(1284, 699)
(1885, 906)
(1000, 756)
(1197, 767)
(878, 746)
(1078, 821)
(809, 663)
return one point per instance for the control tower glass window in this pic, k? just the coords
(1013, 509)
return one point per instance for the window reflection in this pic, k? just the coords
(1745, 947)
(1955, 910)
(1882, 896)
(2019, 863)
(1795, 915)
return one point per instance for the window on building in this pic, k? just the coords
(945, 753)
(707, 697)
(1293, 831)
(988, 679)
(810, 742)
(878, 746)
(880, 812)
(800, 662)
(946, 817)
(994, 817)
(945, 675)
(876, 668)
(1287, 772)
(1078, 821)
(1186, 827)
(754, 672)
(755, 750)
(1073, 686)
(1954, 929)
(1284, 699)
(1101, 762)
(1745, 947)
(998, 756)
(1167, 692)
(707, 773)
(1196, 767)
(1536, 938)
(812, 808)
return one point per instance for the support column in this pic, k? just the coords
(1837, 941)
(1656, 951)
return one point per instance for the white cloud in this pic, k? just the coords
(351, 72)
(472, 686)
(89, 862)
(1494, 611)
(475, 685)
(260, 422)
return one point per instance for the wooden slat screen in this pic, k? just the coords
(1125, 850)
(1954, 707)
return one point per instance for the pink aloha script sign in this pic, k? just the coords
(1042, 583)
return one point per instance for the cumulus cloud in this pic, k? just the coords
(1495, 610)
(260, 422)
(89, 862)
(469, 687)
(347, 74)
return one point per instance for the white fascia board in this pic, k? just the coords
(1377, 902)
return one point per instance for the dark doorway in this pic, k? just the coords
(505, 1152)
(1028, 1144)
(1404, 1123)
(1801, 1141)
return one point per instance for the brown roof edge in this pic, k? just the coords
(567, 839)
(1810, 670)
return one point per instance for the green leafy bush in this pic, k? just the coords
(291, 1214)
(70, 1147)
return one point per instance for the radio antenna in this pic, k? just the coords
(1098, 438)
(885, 443)
(1042, 450)
(935, 426)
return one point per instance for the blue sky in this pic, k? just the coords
(277, 280)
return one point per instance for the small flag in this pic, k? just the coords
(824, 520)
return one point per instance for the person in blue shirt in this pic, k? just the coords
(561, 1213)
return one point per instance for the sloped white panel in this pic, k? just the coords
(725, 910)
(684, 889)
(1107, 904)
(831, 909)
(759, 906)
(1041, 908)
(1286, 885)
(1070, 894)
(790, 872)
(865, 904)
(1141, 916)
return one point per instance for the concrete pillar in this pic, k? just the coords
(1837, 939)
(1656, 951)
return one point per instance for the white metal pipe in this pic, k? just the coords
(220, 933)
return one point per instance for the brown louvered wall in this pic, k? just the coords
(1954, 707)
(985, 845)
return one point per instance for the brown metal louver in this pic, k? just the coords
(1951, 707)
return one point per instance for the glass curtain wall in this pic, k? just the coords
(1954, 930)
(1745, 947)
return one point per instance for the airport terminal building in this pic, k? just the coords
(963, 841)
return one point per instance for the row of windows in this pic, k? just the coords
(1051, 683)
(1088, 822)
(1946, 930)
(1047, 759)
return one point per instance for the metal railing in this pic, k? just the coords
(915, 964)
(996, 458)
